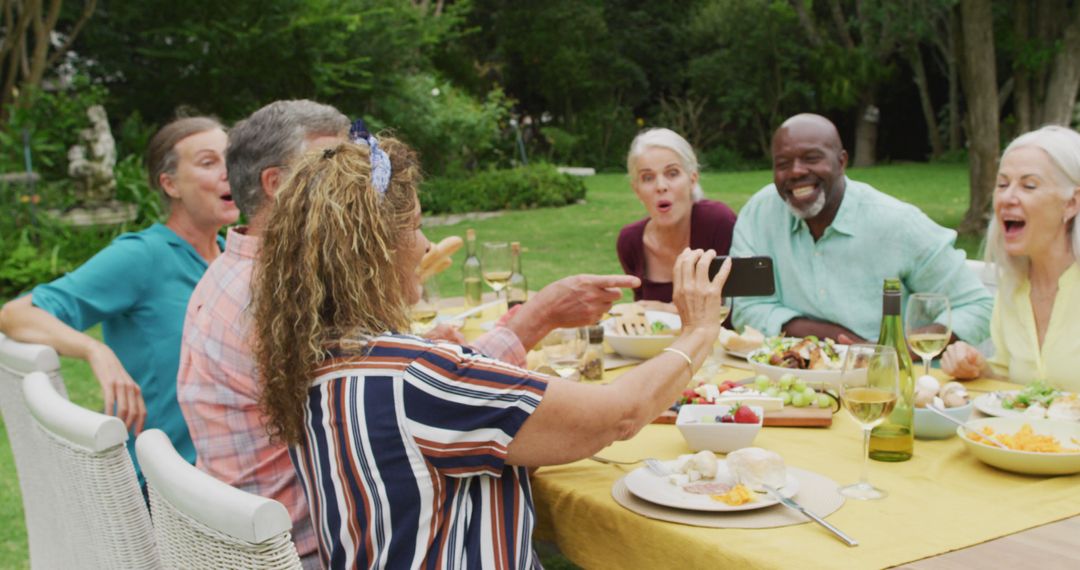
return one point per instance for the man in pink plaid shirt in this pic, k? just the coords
(218, 388)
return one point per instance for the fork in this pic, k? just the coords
(632, 323)
(653, 464)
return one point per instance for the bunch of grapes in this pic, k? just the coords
(792, 390)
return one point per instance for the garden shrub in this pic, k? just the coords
(534, 186)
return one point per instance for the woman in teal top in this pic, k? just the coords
(1035, 243)
(138, 287)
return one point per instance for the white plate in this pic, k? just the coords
(990, 404)
(737, 354)
(647, 485)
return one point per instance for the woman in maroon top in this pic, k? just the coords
(664, 175)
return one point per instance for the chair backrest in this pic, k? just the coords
(92, 483)
(204, 523)
(986, 272)
(43, 523)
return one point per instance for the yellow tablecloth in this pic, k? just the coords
(943, 499)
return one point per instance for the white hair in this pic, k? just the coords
(670, 140)
(1062, 146)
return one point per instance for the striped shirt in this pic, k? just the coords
(218, 388)
(403, 458)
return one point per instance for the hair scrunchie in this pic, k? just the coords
(380, 161)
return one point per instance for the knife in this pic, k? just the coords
(791, 504)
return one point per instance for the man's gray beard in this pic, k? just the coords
(810, 211)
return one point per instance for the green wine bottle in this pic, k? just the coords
(471, 272)
(517, 288)
(894, 439)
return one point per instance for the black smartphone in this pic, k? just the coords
(749, 277)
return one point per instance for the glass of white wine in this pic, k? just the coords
(869, 388)
(928, 325)
(423, 313)
(495, 262)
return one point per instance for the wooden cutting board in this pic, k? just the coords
(788, 417)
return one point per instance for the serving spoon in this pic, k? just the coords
(989, 438)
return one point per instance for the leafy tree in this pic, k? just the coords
(35, 36)
(749, 65)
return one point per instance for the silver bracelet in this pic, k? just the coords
(689, 361)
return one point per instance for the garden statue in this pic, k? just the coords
(91, 163)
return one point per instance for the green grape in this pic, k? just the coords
(762, 382)
(785, 381)
(799, 385)
(786, 397)
(824, 401)
(809, 393)
(799, 400)
(772, 391)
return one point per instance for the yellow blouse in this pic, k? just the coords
(1016, 341)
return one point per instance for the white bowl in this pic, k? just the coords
(814, 378)
(643, 346)
(929, 425)
(719, 437)
(1028, 462)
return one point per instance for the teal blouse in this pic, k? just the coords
(138, 289)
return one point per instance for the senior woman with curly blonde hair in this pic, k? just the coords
(414, 453)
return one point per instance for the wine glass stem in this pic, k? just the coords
(927, 362)
(864, 479)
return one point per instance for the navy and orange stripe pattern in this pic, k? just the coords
(403, 458)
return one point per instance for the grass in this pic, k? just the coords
(557, 242)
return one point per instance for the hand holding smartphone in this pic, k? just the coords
(749, 277)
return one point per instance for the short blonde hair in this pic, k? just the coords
(670, 140)
(1062, 146)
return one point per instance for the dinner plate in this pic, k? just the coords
(990, 404)
(654, 488)
(738, 354)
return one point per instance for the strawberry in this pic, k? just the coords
(744, 415)
(727, 419)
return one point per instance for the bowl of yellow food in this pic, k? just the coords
(1031, 446)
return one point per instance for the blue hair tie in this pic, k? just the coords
(380, 161)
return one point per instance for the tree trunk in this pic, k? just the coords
(866, 133)
(980, 91)
(915, 60)
(1022, 101)
(1064, 76)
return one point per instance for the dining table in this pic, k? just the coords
(945, 508)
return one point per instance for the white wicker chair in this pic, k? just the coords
(987, 273)
(203, 523)
(44, 520)
(95, 491)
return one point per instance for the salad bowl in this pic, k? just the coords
(663, 328)
(830, 356)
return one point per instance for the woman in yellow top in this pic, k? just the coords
(1034, 241)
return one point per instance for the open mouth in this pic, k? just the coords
(1013, 227)
(805, 192)
(663, 206)
(227, 198)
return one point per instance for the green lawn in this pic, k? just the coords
(556, 242)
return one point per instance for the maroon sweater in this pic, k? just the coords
(711, 225)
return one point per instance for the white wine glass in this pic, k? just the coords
(869, 388)
(564, 350)
(495, 261)
(928, 325)
(425, 310)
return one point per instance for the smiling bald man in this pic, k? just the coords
(835, 240)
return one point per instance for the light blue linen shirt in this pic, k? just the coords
(839, 277)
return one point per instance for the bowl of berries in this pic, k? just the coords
(719, 427)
